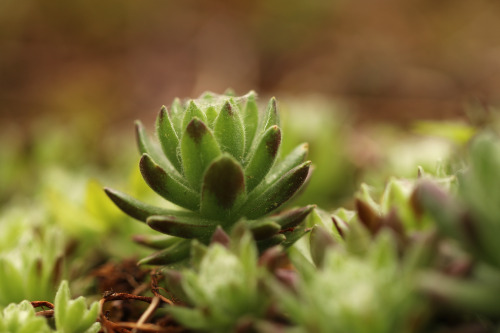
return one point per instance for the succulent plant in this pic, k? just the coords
(33, 266)
(223, 290)
(348, 292)
(73, 315)
(470, 219)
(21, 318)
(218, 161)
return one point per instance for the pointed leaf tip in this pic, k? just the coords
(274, 141)
(133, 207)
(272, 115)
(198, 149)
(221, 237)
(182, 226)
(229, 131)
(196, 129)
(263, 157)
(277, 193)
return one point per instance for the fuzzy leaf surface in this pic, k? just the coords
(229, 132)
(278, 193)
(166, 186)
(198, 149)
(223, 188)
(168, 138)
(263, 157)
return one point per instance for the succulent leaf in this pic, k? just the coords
(166, 186)
(182, 226)
(270, 242)
(192, 111)
(157, 242)
(135, 208)
(176, 113)
(263, 229)
(250, 121)
(278, 193)
(147, 147)
(212, 114)
(229, 131)
(73, 315)
(223, 188)
(173, 254)
(263, 157)
(271, 117)
(168, 138)
(21, 318)
(292, 218)
(198, 149)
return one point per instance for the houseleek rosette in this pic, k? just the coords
(217, 161)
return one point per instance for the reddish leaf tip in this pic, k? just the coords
(196, 129)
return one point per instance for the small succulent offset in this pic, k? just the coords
(348, 292)
(217, 161)
(470, 219)
(73, 315)
(224, 287)
(21, 318)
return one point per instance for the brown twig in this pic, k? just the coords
(42, 304)
(156, 290)
(148, 313)
(45, 313)
(128, 327)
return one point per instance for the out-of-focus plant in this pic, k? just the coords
(470, 219)
(73, 316)
(31, 266)
(217, 161)
(223, 289)
(21, 318)
(348, 291)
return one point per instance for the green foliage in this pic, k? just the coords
(217, 160)
(73, 316)
(470, 219)
(351, 292)
(31, 262)
(223, 288)
(21, 318)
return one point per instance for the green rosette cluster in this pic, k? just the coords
(217, 161)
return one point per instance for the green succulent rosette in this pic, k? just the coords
(217, 161)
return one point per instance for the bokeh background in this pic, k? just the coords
(385, 59)
(74, 75)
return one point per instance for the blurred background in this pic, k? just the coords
(385, 59)
(75, 74)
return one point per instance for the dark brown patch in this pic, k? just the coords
(274, 141)
(228, 108)
(163, 113)
(221, 237)
(336, 224)
(225, 180)
(292, 218)
(393, 222)
(470, 231)
(296, 181)
(196, 129)
(368, 216)
(153, 174)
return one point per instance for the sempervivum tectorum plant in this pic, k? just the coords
(217, 161)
